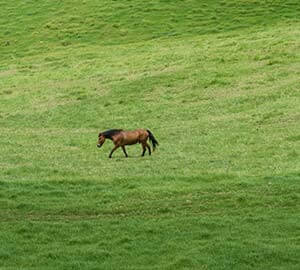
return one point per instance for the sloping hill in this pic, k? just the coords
(31, 27)
(217, 82)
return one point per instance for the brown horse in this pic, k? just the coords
(121, 138)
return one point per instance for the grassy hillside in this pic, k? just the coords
(31, 27)
(217, 82)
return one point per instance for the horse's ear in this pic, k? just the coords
(99, 134)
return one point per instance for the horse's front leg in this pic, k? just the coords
(113, 150)
(124, 150)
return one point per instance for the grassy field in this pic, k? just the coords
(217, 82)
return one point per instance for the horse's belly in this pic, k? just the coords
(132, 142)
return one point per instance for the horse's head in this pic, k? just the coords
(101, 140)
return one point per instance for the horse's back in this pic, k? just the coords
(134, 136)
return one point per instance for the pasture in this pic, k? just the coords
(217, 82)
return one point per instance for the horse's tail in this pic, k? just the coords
(152, 139)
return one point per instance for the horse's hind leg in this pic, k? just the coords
(124, 150)
(144, 149)
(149, 148)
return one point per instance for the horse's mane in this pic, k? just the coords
(111, 132)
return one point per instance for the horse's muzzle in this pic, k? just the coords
(99, 145)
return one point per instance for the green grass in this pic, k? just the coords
(217, 84)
